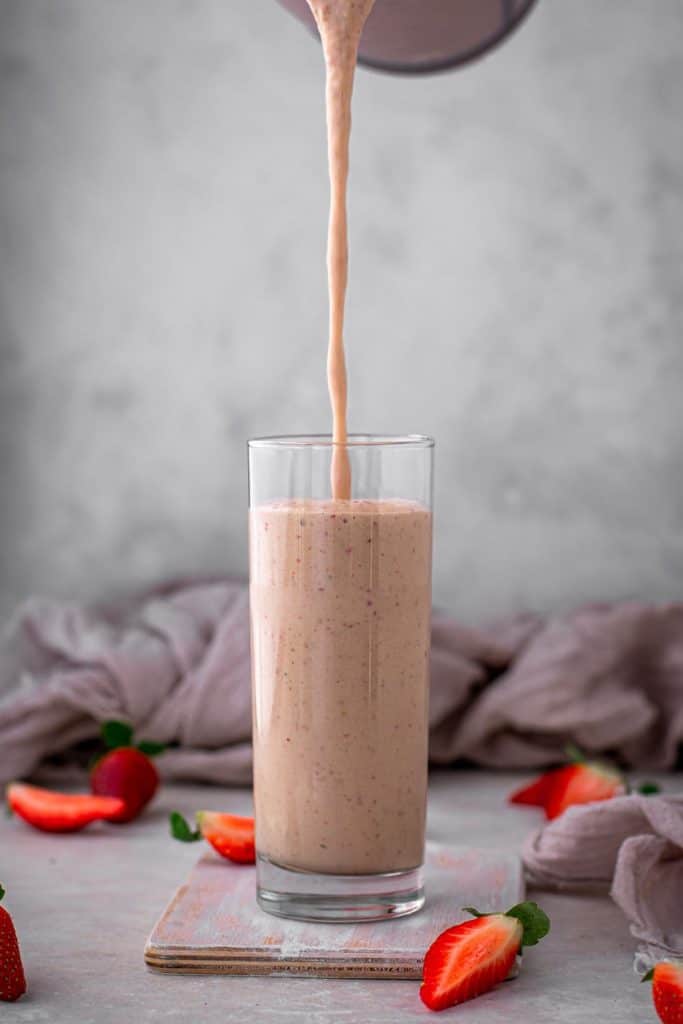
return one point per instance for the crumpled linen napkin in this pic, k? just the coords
(631, 846)
(174, 661)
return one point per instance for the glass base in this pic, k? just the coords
(309, 896)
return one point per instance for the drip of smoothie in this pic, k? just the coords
(340, 23)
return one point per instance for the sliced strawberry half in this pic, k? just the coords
(472, 957)
(667, 990)
(469, 959)
(230, 835)
(60, 812)
(582, 784)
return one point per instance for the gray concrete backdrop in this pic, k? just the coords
(516, 290)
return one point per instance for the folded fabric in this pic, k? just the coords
(631, 846)
(174, 662)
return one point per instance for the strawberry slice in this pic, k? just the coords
(229, 834)
(60, 812)
(469, 959)
(582, 784)
(667, 990)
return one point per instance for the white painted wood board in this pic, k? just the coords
(214, 926)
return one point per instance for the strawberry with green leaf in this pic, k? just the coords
(230, 835)
(126, 770)
(471, 958)
(667, 990)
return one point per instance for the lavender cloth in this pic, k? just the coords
(631, 846)
(175, 662)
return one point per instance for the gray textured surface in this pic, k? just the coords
(84, 905)
(517, 252)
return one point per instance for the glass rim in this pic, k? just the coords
(352, 441)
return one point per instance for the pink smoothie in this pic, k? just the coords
(340, 612)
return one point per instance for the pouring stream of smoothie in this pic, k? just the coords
(340, 23)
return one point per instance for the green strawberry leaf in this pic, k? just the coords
(2, 892)
(534, 921)
(150, 748)
(181, 830)
(648, 788)
(116, 734)
(574, 754)
(649, 976)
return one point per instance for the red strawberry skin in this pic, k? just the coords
(537, 793)
(129, 774)
(229, 834)
(581, 784)
(667, 992)
(561, 788)
(469, 959)
(12, 979)
(60, 812)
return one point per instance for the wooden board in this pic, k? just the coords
(214, 926)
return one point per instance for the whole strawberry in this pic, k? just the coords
(12, 980)
(667, 990)
(126, 771)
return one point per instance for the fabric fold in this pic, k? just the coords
(174, 661)
(629, 846)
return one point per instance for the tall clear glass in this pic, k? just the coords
(340, 631)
